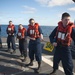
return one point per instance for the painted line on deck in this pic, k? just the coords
(49, 62)
(6, 43)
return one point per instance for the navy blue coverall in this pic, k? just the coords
(35, 48)
(0, 38)
(23, 45)
(62, 53)
(11, 39)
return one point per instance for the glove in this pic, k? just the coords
(41, 37)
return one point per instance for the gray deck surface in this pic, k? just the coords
(10, 64)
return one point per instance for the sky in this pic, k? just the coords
(45, 12)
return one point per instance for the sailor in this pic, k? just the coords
(0, 38)
(61, 38)
(11, 37)
(22, 36)
(35, 35)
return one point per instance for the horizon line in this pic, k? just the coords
(27, 25)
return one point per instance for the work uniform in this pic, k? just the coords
(22, 36)
(0, 38)
(35, 45)
(11, 37)
(63, 37)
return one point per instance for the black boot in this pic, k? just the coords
(30, 64)
(39, 64)
(9, 50)
(21, 55)
(24, 59)
(0, 45)
(53, 72)
(38, 68)
(14, 51)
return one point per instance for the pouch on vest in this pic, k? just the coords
(9, 29)
(31, 32)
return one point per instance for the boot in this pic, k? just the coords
(0, 45)
(21, 55)
(14, 51)
(53, 72)
(39, 64)
(38, 68)
(30, 64)
(9, 50)
(24, 59)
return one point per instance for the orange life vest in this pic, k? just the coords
(63, 34)
(10, 28)
(33, 31)
(21, 33)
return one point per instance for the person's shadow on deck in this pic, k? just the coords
(9, 66)
(13, 71)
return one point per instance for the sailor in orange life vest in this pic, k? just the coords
(22, 36)
(35, 35)
(11, 36)
(61, 38)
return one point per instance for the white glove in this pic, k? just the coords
(54, 44)
(41, 37)
(13, 34)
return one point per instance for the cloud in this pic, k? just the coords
(43, 2)
(72, 9)
(52, 3)
(29, 10)
(59, 2)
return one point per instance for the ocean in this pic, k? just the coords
(45, 29)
